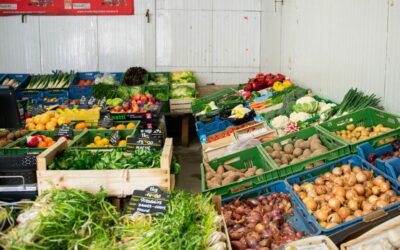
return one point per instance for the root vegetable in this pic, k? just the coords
(277, 147)
(288, 148)
(230, 168)
(220, 170)
(297, 152)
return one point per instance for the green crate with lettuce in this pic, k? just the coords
(183, 77)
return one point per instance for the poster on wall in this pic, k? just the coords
(66, 7)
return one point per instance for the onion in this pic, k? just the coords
(351, 194)
(334, 218)
(240, 210)
(349, 218)
(384, 197)
(338, 181)
(372, 199)
(346, 168)
(328, 197)
(329, 185)
(334, 203)
(359, 188)
(265, 243)
(319, 181)
(235, 235)
(341, 199)
(375, 190)
(358, 213)
(353, 205)
(361, 177)
(308, 187)
(337, 171)
(351, 179)
(327, 175)
(259, 228)
(323, 224)
(366, 206)
(251, 226)
(302, 195)
(368, 184)
(330, 225)
(266, 234)
(238, 245)
(391, 193)
(296, 188)
(381, 204)
(253, 203)
(312, 193)
(321, 215)
(311, 204)
(339, 191)
(356, 169)
(344, 212)
(320, 190)
(384, 187)
(377, 181)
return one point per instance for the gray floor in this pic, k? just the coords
(189, 178)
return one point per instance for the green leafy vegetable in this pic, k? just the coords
(182, 92)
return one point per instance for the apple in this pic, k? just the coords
(144, 99)
(149, 96)
(117, 109)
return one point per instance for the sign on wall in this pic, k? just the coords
(66, 7)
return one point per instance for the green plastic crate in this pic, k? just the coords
(13, 130)
(336, 149)
(22, 149)
(87, 137)
(367, 117)
(240, 160)
(199, 103)
(152, 76)
(95, 125)
(160, 92)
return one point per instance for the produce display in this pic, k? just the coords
(74, 159)
(300, 150)
(355, 134)
(183, 77)
(260, 223)
(182, 92)
(386, 156)
(85, 82)
(56, 80)
(114, 91)
(104, 142)
(11, 82)
(134, 104)
(134, 76)
(39, 141)
(105, 78)
(226, 174)
(46, 121)
(344, 194)
(228, 132)
(7, 136)
(158, 79)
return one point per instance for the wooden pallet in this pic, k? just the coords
(117, 183)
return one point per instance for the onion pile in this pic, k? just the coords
(344, 194)
(260, 223)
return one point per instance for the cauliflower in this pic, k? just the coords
(299, 116)
(323, 107)
(280, 122)
(305, 99)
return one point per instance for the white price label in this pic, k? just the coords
(81, 6)
(8, 6)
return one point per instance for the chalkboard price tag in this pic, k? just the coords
(106, 120)
(115, 138)
(150, 201)
(83, 100)
(64, 131)
(102, 103)
(92, 101)
(144, 140)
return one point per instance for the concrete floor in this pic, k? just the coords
(189, 178)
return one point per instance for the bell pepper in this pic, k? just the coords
(256, 85)
(287, 83)
(278, 86)
(260, 77)
(246, 94)
(33, 141)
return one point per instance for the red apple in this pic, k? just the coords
(144, 99)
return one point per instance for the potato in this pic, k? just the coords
(295, 160)
(298, 143)
(288, 148)
(278, 162)
(285, 160)
(307, 152)
(276, 155)
(290, 157)
(3, 143)
(305, 145)
(220, 170)
(259, 171)
(309, 166)
(319, 163)
(314, 145)
(297, 151)
(209, 176)
(10, 136)
(277, 147)
(269, 149)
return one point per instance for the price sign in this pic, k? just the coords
(92, 101)
(83, 101)
(102, 103)
(145, 139)
(105, 119)
(64, 131)
(115, 138)
(150, 201)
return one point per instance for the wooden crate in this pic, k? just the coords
(253, 131)
(118, 183)
(216, 149)
(183, 106)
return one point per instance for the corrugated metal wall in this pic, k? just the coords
(224, 41)
(333, 45)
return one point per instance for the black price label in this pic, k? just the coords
(115, 138)
(145, 140)
(83, 100)
(64, 131)
(92, 101)
(150, 201)
(102, 103)
(106, 120)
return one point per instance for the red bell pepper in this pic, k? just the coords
(33, 141)
(246, 94)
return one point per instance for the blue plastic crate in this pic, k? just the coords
(22, 78)
(300, 220)
(76, 91)
(392, 169)
(30, 94)
(56, 94)
(365, 149)
(311, 175)
(207, 129)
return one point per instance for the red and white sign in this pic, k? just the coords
(66, 7)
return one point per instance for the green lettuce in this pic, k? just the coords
(182, 92)
(310, 107)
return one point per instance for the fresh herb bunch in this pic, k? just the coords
(73, 159)
(134, 76)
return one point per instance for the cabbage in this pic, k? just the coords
(182, 92)
(309, 107)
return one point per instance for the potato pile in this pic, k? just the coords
(6, 137)
(287, 154)
(355, 134)
(226, 174)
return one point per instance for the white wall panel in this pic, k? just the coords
(69, 43)
(19, 45)
(236, 37)
(141, 6)
(184, 4)
(232, 78)
(392, 87)
(239, 5)
(184, 38)
(126, 41)
(334, 45)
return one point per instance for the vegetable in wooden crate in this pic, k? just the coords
(344, 194)
(260, 223)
